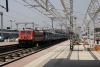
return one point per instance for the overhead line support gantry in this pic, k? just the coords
(68, 10)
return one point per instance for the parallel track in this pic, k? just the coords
(8, 57)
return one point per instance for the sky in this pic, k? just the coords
(19, 13)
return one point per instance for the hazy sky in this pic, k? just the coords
(20, 13)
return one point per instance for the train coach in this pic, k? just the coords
(8, 34)
(33, 38)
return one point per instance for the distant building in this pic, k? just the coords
(9, 34)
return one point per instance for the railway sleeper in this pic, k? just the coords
(20, 54)
(15, 55)
(2, 59)
(25, 52)
(28, 51)
(9, 57)
(31, 50)
(35, 48)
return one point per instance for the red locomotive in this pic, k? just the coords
(29, 38)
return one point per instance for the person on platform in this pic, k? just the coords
(97, 39)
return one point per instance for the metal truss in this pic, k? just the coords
(86, 21)
(94, 11)
(46, 8)
(67, 7)
(25, 23)
(68, 10)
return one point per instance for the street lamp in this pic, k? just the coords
(11, 27)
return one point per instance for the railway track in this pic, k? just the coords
(11, 56)
(8, 48)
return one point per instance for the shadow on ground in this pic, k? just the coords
(72, 63)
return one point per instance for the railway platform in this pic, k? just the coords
(7, 43)
(60, 55)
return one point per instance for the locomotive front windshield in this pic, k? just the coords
(22, 32)
(25, 32)
(28, 32)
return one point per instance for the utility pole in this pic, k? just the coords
(11, 27)
(71, 24)
(7, 5)
(25, 25)
(1, 25)
(17, 26)
(33, 26)
(61, 28)
(52, 18)
(75, 29)
(52, 23)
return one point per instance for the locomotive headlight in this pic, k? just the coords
(18, 38)
(31, 38)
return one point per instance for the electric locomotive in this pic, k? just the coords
(30, 38)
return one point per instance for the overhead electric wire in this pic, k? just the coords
(33, 11)
(13, 17)
(15, 12)
(30, 9)
(23, 15)
(47, 24)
